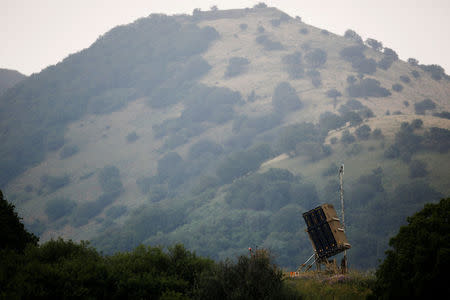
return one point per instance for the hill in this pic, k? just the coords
(218, 129)
(8, 78)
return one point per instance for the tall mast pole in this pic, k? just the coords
(341, 188)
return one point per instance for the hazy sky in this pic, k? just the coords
(38, 33)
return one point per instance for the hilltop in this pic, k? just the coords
(218, 129)
(8, 78)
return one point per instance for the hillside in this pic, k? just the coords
(218, 129)
(8, 78)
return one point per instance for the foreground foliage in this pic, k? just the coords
(418, 263)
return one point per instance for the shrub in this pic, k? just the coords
(203, 147)
(377, 133)
(304, 30)
(68, 151)
(109, 179)
(329, 121)
(415, 73)
(285, 99)
(243, 26)
(417, 123)
(363, 132)
(59, 207)
(365, 66)
(331, 170)
(367, 88)
(260, 29)
(116, 211)
(170, 165)
(413, 62)
(240, 163)
(352, 35)
(315, 77)
(397, 87)
(132, 137)
(347, 137)
(353, 53)
(293, 65)
(351, 79)
(374, 44)
(388, 52)
(290, 136)
(53, 183)
(422, 106)
(436, 71)
(417, 168)
(437, 139)
(444, 115)
(406, 103)
(236, 66)
(355, 149)
(405, 79)
(269, 44)
(316, 58)
(386, 62)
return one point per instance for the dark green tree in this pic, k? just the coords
(417, 265)
(13, 235)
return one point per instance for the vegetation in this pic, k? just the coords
(367, 88)
(285, 99)
(236, 66)
(416, 264)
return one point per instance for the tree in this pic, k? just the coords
(285, 98)
(334, 94)
(352, 35)
(417, 168)
(13, 235)
(316, 58)
(417, 264)
(376, 45)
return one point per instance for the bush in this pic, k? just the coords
(386, 62)
(397, 87)
(363, 132)
(417, 123)
(315, 77)
(376, 133)
(110, 182)
(293, 65)
(436, 71)
(59, 207)
(236, 66)
(437, 139)
(365, 66)
(368, 88)
(444, 115)
(353, 53)
(53, 183)
(415, 74)
(374, 44)
(413, 62)
(132, 137)
(316, 58)
(417, 168)
(304, 31)
(116, 211)
(329, 121)
(260, 29)
(285, 99)
(417, 261)
(347, 137)
(268, 44)
(405, 79)
(422, 106)
(352, 35)
(202, 147)
(68, 151)
(243, 26)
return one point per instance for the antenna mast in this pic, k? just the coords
(341, 190)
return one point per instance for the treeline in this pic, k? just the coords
(60, 269)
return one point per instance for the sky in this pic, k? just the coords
(37, 33)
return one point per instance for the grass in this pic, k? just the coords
(314, 285)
